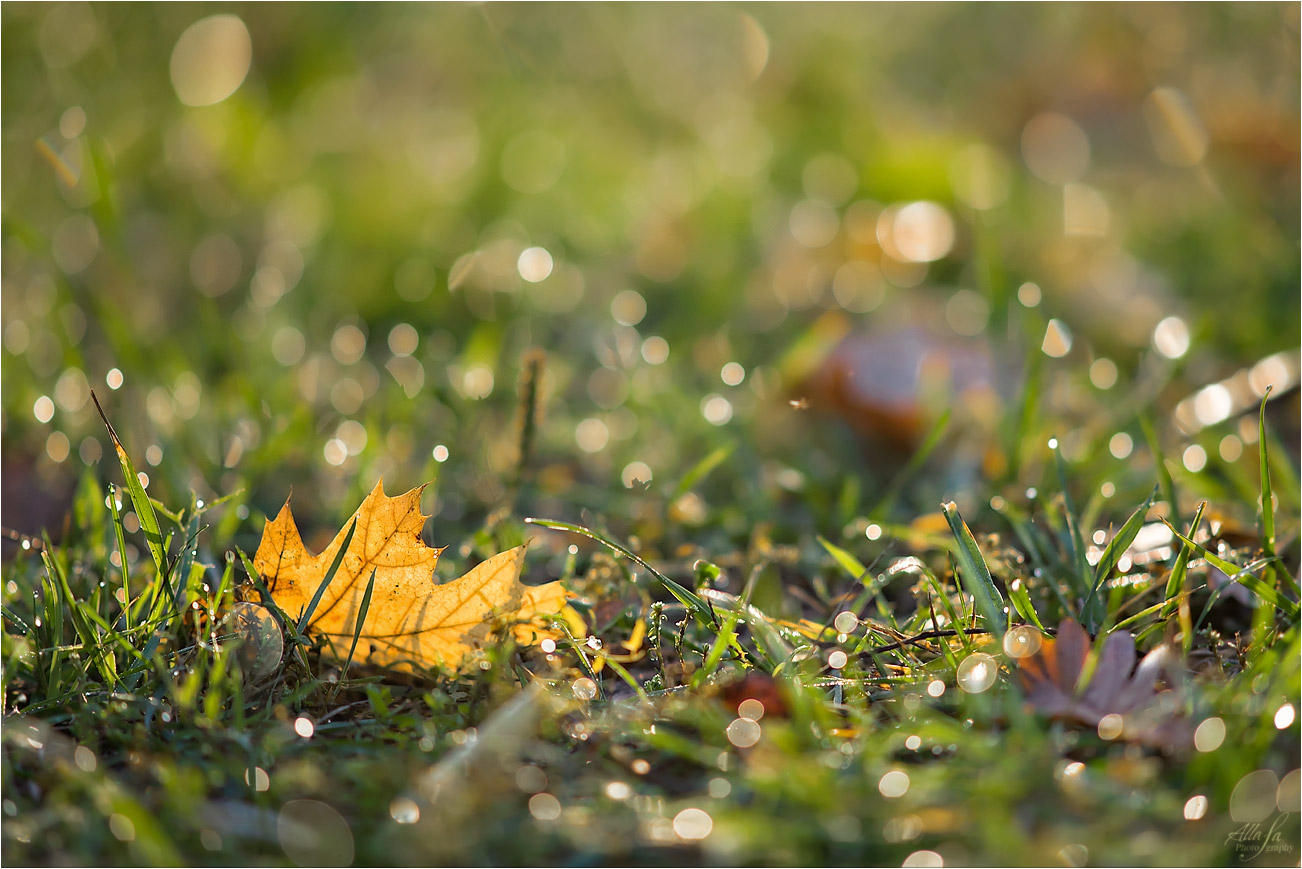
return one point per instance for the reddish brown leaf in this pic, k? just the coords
(1052, 682)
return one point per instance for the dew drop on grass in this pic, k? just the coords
(1195, 808)
(1254, 797)
(743, 732)
(1022, 641)
(693, 824)
(928, 859)
(845, 622)
(1111, 726)
(977, 673)
(894, 784)
(1209, 735)
(530, 779)
(404, 810)
(1284, 716)
(585, 688)
(544, 807)
(750, 708)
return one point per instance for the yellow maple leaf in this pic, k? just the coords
(412, 623)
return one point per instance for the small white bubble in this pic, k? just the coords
(1209, 735)
(43, 409)
(692, 824)
(894, 784)
(535, 264)
(544, 807)
(1195, 808)
(304, 727)
(1171, 338)
(743, 732)
(732, 374)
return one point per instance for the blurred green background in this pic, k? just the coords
(306, 246)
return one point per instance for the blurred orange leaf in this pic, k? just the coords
(1052, 682)
(411, 623)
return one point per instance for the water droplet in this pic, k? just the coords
(894, 784)
(404, 810)
(977, 673)
(692, 824)
(1022, 641)
(743, 732)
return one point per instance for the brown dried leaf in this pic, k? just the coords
(412, 623)
(1051, 680)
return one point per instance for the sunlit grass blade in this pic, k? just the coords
(699, 471)
(90, 641)
(115, 512)
(1244, 575)
(1175, 580)
(139, 498)
(1075, 542)
(1021, 601)
(727, 634)
(847, 562)
(684, 595)
(974, 572)
(1111, 555)
(1267, 501)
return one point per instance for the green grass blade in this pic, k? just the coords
(139, 498)
(847, 562)
(684, 595)
(1175, 581)
(115, 511)
(1075, 543)
(701, 469)
(975, 574)
(1244, 575)
(1112, 554)
(1021, 601)
(1163, 472)
(306, 618)
(361, 621)
(1267, 500)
